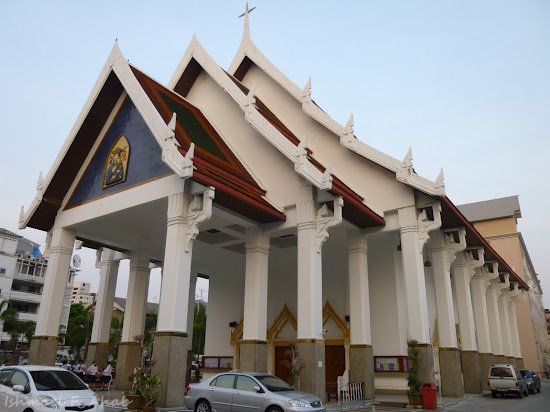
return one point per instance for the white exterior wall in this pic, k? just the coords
(384, 302)
(285, 187)
(360, 174)
(225, 302)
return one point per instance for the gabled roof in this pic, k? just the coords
(453, 218)
(236, 189)
(491, 209)
(215, 164)
(248, 54)
(267, 124)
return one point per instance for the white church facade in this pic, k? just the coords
(306, 234)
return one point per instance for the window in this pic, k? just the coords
(224, 381)
(244, 383)
(2, 271)
(18, 378)
(5, 376)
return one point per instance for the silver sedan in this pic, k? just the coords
(249, 392)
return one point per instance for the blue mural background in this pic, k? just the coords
(144, 162)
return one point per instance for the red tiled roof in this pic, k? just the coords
(216, 165)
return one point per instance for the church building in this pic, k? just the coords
(308, 236)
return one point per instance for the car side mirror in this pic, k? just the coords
(257, 389)
(18, 388)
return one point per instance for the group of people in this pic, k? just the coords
(93, 375)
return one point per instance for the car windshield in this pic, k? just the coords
(57, 381)
(274, 384)
(526, 374)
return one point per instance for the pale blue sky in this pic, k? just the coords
(465, 83)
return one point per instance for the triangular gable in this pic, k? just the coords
(115, 78)
(216, 165)
(267, 124)
(248, 54)
(196, 58)
(140, 160)
(355, 210)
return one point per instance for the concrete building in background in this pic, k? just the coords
(22, 276)
(81, 293)
(497, 221)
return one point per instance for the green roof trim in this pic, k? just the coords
(192, 127)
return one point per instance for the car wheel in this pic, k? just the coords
(494, 394)
(532, 390)
(526, 391)
(538, 389)
(520, 394)
(202, 406)
(274, 409)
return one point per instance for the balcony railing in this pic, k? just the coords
(25, 297)
(31, 278)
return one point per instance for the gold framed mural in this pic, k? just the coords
(116, 164)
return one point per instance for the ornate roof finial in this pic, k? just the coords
(246, 30)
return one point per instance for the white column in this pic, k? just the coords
(185, 213)
(492, 295)
(255, 289)
(479, 284)
(463, 270)
(517, 298)
(191, 309)
(444, 250)
(138, 286)
(312, 227)
(359, 288)
(503, 301)
(414, 230)
(108, 273)
(55, 282)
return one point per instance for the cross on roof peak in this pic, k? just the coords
(246, 30)
(247, 11)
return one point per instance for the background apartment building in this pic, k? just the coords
(81, 293)
(22, 271)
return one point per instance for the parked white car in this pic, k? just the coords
(506, 378)
(44, 389)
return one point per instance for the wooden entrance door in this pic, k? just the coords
(281, 370)
(335, 365)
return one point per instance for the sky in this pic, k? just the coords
(465, 83)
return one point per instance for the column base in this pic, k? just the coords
(485, 361)
(253, 356)
(43, 350)
(98, 352)
(361, 369)
(426, 363)
(511, 360)
(452, 383)
(519, 363)
(170, 352)
(129, 357)
(312, 377)
(471, 371)
(500, 359)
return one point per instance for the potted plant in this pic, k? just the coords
(413, 380)
(149, 386)
(141, 381)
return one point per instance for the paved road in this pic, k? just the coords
(486, 403)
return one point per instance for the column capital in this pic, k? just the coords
(256, 240)
(444, 241)
(62, 241)
(425, 225)
(189, 210)
(357, 242)
(326, 220)
(498, 286)
(139, 260)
